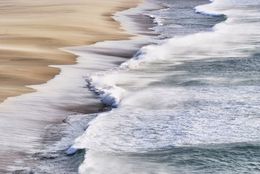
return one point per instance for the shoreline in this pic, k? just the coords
(30, 113)
(32, 39)
(113, 53)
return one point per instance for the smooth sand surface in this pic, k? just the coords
(32, 32)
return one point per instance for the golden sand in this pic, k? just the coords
(32, 32)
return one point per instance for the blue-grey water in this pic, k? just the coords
(189, 103)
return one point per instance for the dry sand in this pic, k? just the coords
(32, 32)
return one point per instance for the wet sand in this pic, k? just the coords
(32, 32)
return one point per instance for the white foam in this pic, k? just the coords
(182, 118)
(155, 118)
(227, 37)
(233, 36)
(104, 86)
(157, 20)
(109, 163)
(216, 115)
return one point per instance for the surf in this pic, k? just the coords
(183, 92)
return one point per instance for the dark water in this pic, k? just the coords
(179, 18)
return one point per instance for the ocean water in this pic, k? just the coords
(188, 102)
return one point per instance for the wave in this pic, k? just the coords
(228, 36)
(211, 117)
(104, 86)
(155, 115)
(179, 122)
(206, 45)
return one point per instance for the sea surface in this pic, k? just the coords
(187, 102)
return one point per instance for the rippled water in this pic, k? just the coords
(189, 103)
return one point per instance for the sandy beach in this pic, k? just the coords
(32, 35)
(33, 31)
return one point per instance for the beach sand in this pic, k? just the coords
(32, 32)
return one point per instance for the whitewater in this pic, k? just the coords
(186, 103)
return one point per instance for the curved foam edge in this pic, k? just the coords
(207, 9)
(110, 94)
(147, 53)
(107, 91)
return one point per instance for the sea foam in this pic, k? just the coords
(155, 116)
